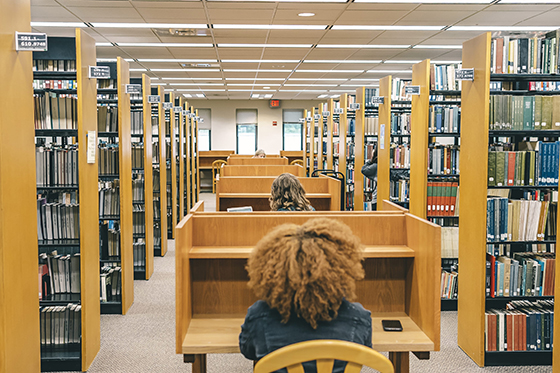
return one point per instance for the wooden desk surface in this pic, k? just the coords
(215, 335)
(229, 252)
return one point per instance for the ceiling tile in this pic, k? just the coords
(433, 17)
(192, 52)
(174, 15)
(194, 4)
(235, 16)
(56, 31)
(238, 53)
(382, 7)
(226, 36)
(522, 8)
(368, 17)
(44, 3)
(95, 3)
(52, 14)
(350, 36)
(547, 18)
(140, 52)
(285, 53)
(419, 54)
(499, 18)
(110, 14)
(240, 5)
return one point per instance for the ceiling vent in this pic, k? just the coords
(199, 65)
(182, 32)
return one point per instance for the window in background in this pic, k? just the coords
(204, 143)
(246, 131)
(292, 129)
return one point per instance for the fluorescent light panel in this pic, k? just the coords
(268, 79)
(390, 71)
(317, 79)
(402, 61)
(322, 96)
(268, 96)
(427, 1)
(386, 28)
(256, 70)
(502, 28)
(342, 61)
(138, 70)
(187, 95)
(220, 45)
(202, 70)
(436, 46)
(310, 85)
(103, 44)
(330, 71)
(149, 25)
(269, 27)
(200, 95)
(197, 84)
(252, 84)
(167, 45)
(302, 91)
(249, 90)
(364, 46)
(287, 1)
(364, 80)
(174, 60)
(260, 61)
(58, 24)
(189, 78)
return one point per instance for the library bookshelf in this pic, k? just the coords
(160, 194)
(476, 183)
(181, 159)
(119, 177)
(79, 352)
(384, 142)
(305, 123)
(329, 134)
(171, 169)
(359, 147)
(195, 155)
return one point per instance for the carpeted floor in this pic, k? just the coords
(143, 341)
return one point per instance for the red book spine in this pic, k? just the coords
(511, 168)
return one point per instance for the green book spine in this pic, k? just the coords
(533, 156)
(491, 119)
(527, 113)
(546, 123)
(500, 168)
(523, 155)
(491, 168)
(556, 112)
(537, 108)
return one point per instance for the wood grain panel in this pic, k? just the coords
(238, 161)
(312, 156)
(19, 303)
(270, 170)
(148, 175)
(475, 98)
(359, 150)
(423, 280)
(329, 139)
(419, 140)
(292, 155)
(209, 156)
(197, 159)
(183, 292)
(89, 205)
(180, 158)
(125, 193)
(383, 287)
(383, 157)
(173, 165)
(305, 147)
(390, 206)
(162, 173)
(198, 207)
(193, 158)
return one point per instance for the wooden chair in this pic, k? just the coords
(297, 162)
(325, 352)
(216, 166)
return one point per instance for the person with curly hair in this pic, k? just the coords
(287, 194)
(305, 279)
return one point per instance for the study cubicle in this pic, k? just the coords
(261, 170)
(401, 262)
(245, 161)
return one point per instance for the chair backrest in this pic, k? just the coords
(297, 161)
(324, 352)
(217, 164)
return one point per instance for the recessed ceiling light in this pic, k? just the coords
(190, 70)
(268, 96)
(322, 96)
(168, 45)
(306, 14)
(255, 95)
(200, 95)
(264, 45)
(364, 46)
(187, 95)
(149, 25)
(271, 27)
(266, 87)
(335, 96)
(386, 28)
(58, 24)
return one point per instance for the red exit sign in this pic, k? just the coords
(274, 104)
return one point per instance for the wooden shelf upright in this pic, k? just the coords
(148, 177)
(195, 154)
(170, 164)
(20, 340)
(305, 124)
(359, 149)
(312, 148)
(329, 136)
(384, 142)
(342, 129)
(321, 129)
(186, 158)
(162, 250)
(419, 140)
(181, 157)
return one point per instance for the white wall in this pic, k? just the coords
(224, 121)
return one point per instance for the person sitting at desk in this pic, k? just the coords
(369, 170)
(305, 279)
(260, 154)
(287, 194)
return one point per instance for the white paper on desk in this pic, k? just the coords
(91, 146)
(382, 136)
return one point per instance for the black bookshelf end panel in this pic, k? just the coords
(61, 359)
(509, 358)
(56, 133)
(111, 308)
(448, 304)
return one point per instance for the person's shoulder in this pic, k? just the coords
(355, 310)
(259, 309)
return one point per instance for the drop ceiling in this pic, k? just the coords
(228, 54)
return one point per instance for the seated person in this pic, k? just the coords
(287, 194)
(305, 279)
(259, 154)
(369, 170)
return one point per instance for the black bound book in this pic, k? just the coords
(523, 63)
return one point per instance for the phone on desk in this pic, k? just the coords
(392, 325)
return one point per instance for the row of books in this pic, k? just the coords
(351, 127)
(157, 235)
(108, 159)
(110, 284)
(336, 127)
(53, 111)
(516, 220)
(349, 203)
(156, 208)
(450, 241)
(544, 86)
(109, 240)
(60, 325)
(155, 178)
(442, 77)
(155, 152)
(524, 113)
(109, 203)
(444, 119)
(443, 160)
(107, 118)
(350, 173)
(136, 122)
(139, 254)
(54, 84)
(106, 83)
(400, 124)
(400, 156)
(137, 155)
(58, 274)
(56, 165)
(54, 65)
(138, 190)
(442, 198)
(399, 190)
(449, 285)
(371, 126)
(518, 55)
(369, 93)
(58, 220)
(525, 168)
(521, 326)
(138, 219)
(350, 149)
(526, 274)
(398, 89)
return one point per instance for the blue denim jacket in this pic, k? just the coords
(263, 332)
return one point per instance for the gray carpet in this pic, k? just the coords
(144, 339)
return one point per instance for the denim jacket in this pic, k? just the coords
(263, 332)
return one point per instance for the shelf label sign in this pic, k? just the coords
(301, 120)
(382, 136)
(177, 109)
(201, 120)
(91, 146)
(185, 113)
(355, 106)
(196, 118)
(167, 105)
(31, 41)
(133, 88)
(338, 110)
(326, 114)
(377, 100)
(154, 99)
(317, 116)
(412, 90)
(99, 72)
(464, 74)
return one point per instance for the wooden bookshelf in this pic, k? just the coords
(170, 163)
(162, 250)
(193, 157)
(180, 157)
(312, 148)
(305, 142)
(148, 178)
(321, 135)
(342, 129)
(20, 341)
(329, 137)
(419, 140)
(384, 142)
(196, 159)
(186, 159)
(359, 148)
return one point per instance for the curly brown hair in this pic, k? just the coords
(306, 269)
(288, 193)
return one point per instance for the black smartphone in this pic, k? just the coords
(391, 325)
